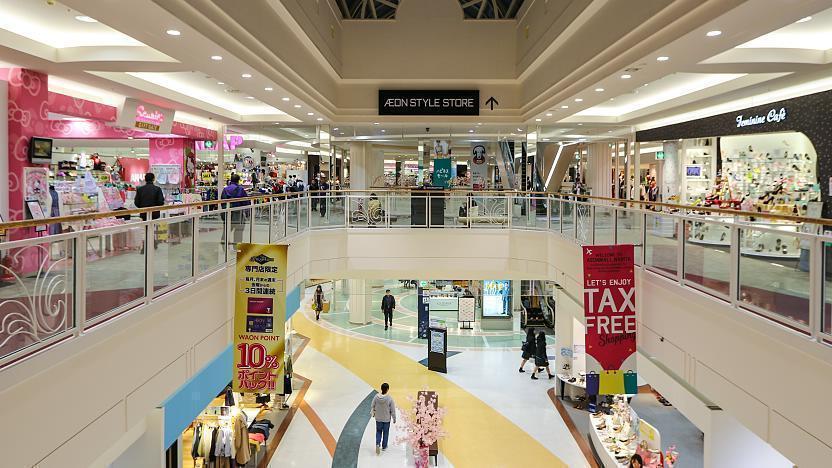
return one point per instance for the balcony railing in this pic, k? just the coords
(56, 287)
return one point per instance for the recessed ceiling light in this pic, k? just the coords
(579, 100)
(268, 89)
(297, 106)
(286, 99)
(545, 139)
(471, 131)
(538, 120)
(320, 119)
(599, 90)
(86, 19)
(173, 32)
(376, 123)
(626, 76)
(249, 97)
(580, 125)
(549, 114)
(335, 129)
(564, 107)
(310, 113)
(220, 83)
(713, 33)
(216, 58)
(663, 58)
(609, 131)
(479, 123)
(246, 75)
(805, 19)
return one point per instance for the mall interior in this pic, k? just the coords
(377, 233)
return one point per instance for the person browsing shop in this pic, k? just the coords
(384, 411)
(149, 195)
(388, 304)
(231, 191)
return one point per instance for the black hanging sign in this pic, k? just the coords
(428, 102)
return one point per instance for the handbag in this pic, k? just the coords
(612, 382)
(630, 383)
(591, 383)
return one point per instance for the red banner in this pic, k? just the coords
(610, 307)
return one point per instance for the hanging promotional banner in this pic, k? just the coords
(441, 172)
(610, 311)
(479, 167)
(259, 318)
(135, 114)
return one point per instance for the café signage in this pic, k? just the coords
(774, 115)
(428, 102)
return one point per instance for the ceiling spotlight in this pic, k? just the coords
(86, 19)
(549, 114)
(249, 97)
(173, 32)
(626, 76)
(286, 99)
(216, 58)
(663, 58)
(335, 129)
(471, 131)
(713, 33)
(297, 106)
(383, 130)
(220, 83)
(320, 119)
(580, 125)
(268, 89)
(479, 123)
(564, 107)
(246, 75)
(376, 123)
(599, 90)
(579, 100)
(538, 120)
(803, 20)
(310, 113)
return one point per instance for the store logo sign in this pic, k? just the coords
(141, 115)
(774, 115)
(149, 119)
(428, 102)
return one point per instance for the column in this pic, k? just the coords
(365, 166)
(220, 160)
(170, 152)
(669, 178)
(360, 301)
(4, 148)
(599, 169)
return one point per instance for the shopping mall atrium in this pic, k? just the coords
(416, 233)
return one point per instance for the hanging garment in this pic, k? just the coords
(205, 441)
(242, 451)
(211, 455)
(223, 448)
(197, 436)
(229, 397)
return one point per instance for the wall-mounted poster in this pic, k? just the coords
(36, 186)
(496, 298)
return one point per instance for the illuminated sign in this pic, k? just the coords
(774, 115)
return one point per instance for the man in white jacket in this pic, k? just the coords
(384, 410)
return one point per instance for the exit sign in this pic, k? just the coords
(659, 154)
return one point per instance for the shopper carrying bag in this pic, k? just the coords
(318, 302)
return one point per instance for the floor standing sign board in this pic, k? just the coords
(259, 318)
(438, 347)
(610, 311)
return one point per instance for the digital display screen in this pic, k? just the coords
(496, 298)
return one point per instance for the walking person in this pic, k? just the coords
(324, 188)
(541, 360)
(149, 195)
(388, 304)
(318, 302)
(529, 348)
(384, 410)
(238, 218)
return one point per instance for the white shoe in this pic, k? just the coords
(378, 449)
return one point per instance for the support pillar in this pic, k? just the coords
(360, 301)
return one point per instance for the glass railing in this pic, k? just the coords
(55, 287)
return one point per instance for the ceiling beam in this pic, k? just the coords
(388, 3)
(373, 8)
(482, 9)
(469, 3)
(512, 9)
(496, 9)
(346, 8)
(363, 9)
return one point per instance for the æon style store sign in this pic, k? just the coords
(145, 116)
(428, 102)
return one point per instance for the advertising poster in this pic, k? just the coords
(479, 167)
(467, 311)
(496, 298)
(424, 312)
(442, 172)
(610, 311)
(259, 318)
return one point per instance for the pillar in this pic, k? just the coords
(169, 151)
(365, 166)
(4, 148)
(599, 171)
(670, 176)
(220, 160)
(360, 301)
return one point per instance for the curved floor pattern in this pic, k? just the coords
(349, 443)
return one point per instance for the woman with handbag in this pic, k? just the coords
(528, 348)
(318, 302)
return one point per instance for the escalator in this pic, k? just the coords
(505, 164)
(538, 303)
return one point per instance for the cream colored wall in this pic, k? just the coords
(321, 21)
(540, 22)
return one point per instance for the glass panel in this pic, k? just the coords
(456, 211)
(279, 221)
(708, 255)
(367, 211)
(115, 269)
(489, 211)
(240, 227)
(211, 245)
(408, 211)
(568, 218)
(661, 243)
(261, 224)
(540, 216)
(173, 258)
(36, 297)
(774, 272)
(554, 214)
(292, 216)
(628, 227)
(583, 220)
(826, 318)
(604, 225)
(521, 216)
(327, 211)
(303, 209)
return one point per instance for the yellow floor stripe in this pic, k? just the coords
(478, 435)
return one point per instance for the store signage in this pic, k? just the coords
(479, 168)
(259, 318)
(442, 172)
(444, 303)
(145, 116)
(774, 115)
(428, 102)
(659, 155)
(609, 307)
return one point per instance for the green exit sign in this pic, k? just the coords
(659, 154)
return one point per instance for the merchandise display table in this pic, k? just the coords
(571, 389)
(614, 448)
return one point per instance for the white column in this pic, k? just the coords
(220, 160)
(360, 301)
(599, 171)
(670, 181)
(4, 149)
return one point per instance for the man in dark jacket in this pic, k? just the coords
(388, 303)
(149, 195)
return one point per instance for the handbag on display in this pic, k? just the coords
(630, 383)
(591, 383)
(612, 382)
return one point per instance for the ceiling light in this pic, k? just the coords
(803, 20)
(286, 99)
(580, 125)
(335, 129)
(520, 130)
(376, 123)
(471, 131)
(268, 89)
(545, 139)
(246, 75)
(220, 83)
(564, 107)
(249, 97)
(713, 33)
(297, 106)
(320, 119)
(216, 58)
(626, 76)
(549, 114)
(537, 120)
(383, 130)
(173, 32)
(599, 90)
(479, 123)
(86, 19)
(579, 100)
(663, 58)
(310, 113)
